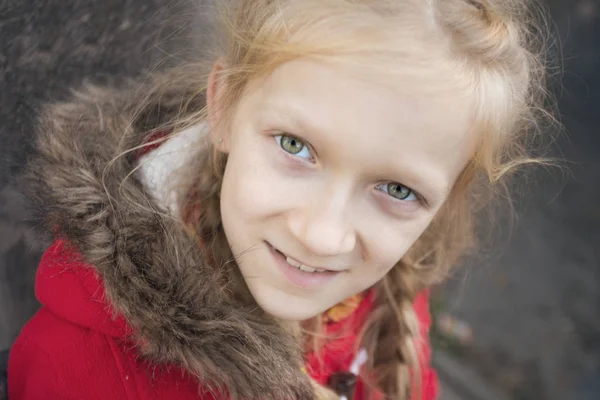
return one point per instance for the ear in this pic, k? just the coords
(215, 90)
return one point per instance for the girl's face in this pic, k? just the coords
(330, 179)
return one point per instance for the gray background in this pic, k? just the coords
(533, 302)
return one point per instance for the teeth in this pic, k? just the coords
(302, 267)
(293, 262)
(307, 269)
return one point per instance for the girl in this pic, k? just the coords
(273, 235)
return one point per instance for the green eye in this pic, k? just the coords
(399, 191)
(293, 146)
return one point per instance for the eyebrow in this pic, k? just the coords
(433, 189)
(430, 185)
(289, 116)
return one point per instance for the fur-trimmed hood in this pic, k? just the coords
(85, 183)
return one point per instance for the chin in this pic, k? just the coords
(285, 306)
(288, 315)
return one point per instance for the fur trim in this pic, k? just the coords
(81, 181)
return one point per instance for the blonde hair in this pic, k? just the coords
(491, 50)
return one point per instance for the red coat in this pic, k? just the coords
(74, 349)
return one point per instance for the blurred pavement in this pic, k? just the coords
(534, 302)
(46, 48)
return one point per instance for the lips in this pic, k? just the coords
(299, 274)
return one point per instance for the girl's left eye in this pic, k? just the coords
(293, 146)
(398, 191)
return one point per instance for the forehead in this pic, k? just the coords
(391, 126)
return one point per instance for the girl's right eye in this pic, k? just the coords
(294, 146)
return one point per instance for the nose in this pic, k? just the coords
(322, 225)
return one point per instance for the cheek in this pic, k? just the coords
(241, 191)
(390, 242)
(252, 188)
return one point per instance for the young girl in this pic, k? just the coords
(273, 235)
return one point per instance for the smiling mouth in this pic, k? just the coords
(298, 265)
(301, 275)
(301, 266)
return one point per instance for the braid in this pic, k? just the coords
(391, 332)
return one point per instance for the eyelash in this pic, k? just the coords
(279, 138)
